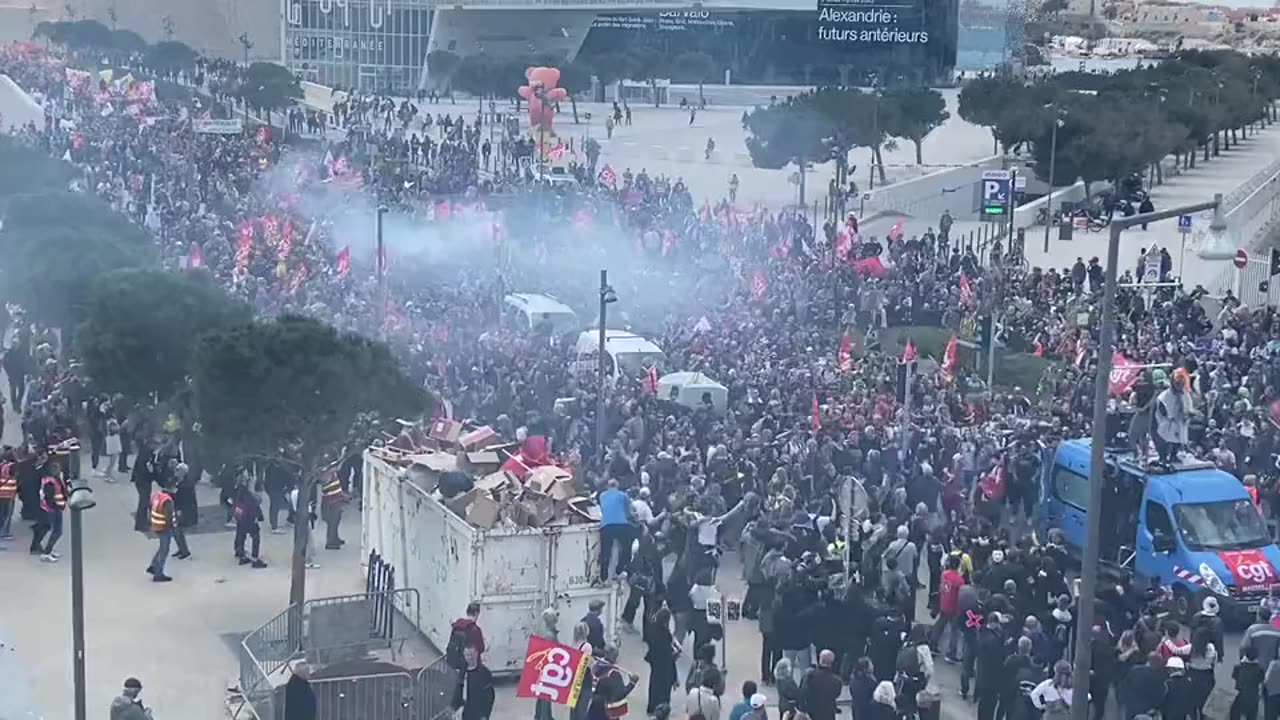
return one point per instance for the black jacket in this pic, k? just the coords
(819, 692)
(474, 693)
(1144, 688)
(990, 660)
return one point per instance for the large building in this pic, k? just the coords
(383, 44)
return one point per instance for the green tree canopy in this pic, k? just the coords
(269, 87)
(76, 34)
(170, 56)
(262, 386)
(55, 244)
(794, 131)
(24, 169)
(916, 112)
(443, 63)
(127, 41)
(142, 325)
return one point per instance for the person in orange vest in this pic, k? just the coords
(8, 492)
(164, 520)
(332, 500)
(611, 687)
(53, 501)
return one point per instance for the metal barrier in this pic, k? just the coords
(424, 695)
(322, 631)
(381, 579)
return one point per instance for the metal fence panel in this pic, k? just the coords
(388, 696)
(434, 690)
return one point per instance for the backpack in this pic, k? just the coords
(453, 651)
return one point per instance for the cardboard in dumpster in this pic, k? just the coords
(479, 439)
(552, 481)
(583, 509)
(446, 431)
(537, 509)
(497, 482)
(483, 512)
(480, 462)
(460, 503)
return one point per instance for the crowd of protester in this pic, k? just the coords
(762, 301)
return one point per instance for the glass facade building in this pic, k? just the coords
(370, 44)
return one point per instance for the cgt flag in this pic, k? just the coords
(552, 672)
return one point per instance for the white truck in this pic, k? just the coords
(514, 573)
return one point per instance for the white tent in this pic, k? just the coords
(687, 388)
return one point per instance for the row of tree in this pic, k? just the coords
(166, 56)
(1112, 126)
(253, 387)
(827, 123)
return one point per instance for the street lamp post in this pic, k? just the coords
(246, 43)
(1089, 568)
(81, 499)
(607, 295)
(1053, 162)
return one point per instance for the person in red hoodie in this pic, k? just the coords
(464, 633)
(949, 608)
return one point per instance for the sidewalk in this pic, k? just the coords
(1222, 174)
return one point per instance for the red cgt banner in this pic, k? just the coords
(552, 672)
(1124, 373)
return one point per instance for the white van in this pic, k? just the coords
(623, 350)
(527, 311)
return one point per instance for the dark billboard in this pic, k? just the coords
(911, 40)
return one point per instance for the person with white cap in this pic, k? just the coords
(758, 711)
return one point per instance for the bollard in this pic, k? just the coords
(970, 238)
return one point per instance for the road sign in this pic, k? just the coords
(1241, 259)
(1184, 224)
(995, 192)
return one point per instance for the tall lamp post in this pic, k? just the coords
(607, 296)
(1053, 162)
(81, 499)
(1106, 341)
(245, 43)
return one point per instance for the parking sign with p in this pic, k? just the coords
(994, 193)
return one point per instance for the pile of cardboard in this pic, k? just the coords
(452, 458)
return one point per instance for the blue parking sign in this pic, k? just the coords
(1184, 224)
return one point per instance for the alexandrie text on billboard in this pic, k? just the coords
(552, 672)
(874, 23)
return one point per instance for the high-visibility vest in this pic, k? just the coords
(332, 490)
(616, 709)
(835, 548)
(8, 483)
(160, 520)
(59, 495)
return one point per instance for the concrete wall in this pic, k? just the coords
(209, 26)
(18, 107)
(928, 196)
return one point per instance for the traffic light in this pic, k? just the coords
(985, 329)
(1275, 262)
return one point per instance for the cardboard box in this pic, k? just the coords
(555, 482)
(496, 482)
(461, 503)
(480, 438)
(538, 509)
(480, 462)
(483, 512)
(446, 431)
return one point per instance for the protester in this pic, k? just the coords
(127, 706)
(473, 695)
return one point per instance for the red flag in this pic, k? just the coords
(651, 380)
(844, 244)
(871, 266)
(342, 265)
(443, 210)
(582, 221)
(966, 292)
(1082, 351)
(950, 358)
(895, 232)
(1039, 348)
(815, 413)
(909, 352)
(552, 672)
(299, 277)
(759, 284)
(195, 256)
(1124, 373)
(607, 176)
(668, 243)
(844, 356)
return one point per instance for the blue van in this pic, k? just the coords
(1192, 526)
